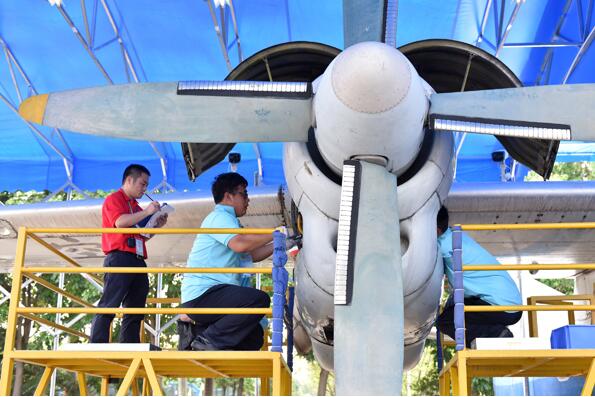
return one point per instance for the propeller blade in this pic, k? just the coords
(368, 323)
(559, 112)
(201, 111)
(374, 20)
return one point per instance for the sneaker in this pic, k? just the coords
(201, 343)
(505, 333)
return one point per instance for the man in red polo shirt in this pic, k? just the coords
(120, 209)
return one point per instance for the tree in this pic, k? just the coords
(577, 171)
(26, 376)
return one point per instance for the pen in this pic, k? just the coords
(160, 205)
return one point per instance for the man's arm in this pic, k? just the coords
(246, 243)
(129, 220)
(261, 253)
(160, 222)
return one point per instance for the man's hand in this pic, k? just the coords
(161, 220)
(282, 229)
(152, 207)
(292, 241)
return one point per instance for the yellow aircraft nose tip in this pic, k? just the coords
(33, 108)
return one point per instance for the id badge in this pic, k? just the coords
(139, 247)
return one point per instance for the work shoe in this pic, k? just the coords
(153, 347)
(200, 343)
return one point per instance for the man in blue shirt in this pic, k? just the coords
(226, 331)
(480, 287)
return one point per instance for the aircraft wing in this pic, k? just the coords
(267, 209)
(536, 202)
(468, 203)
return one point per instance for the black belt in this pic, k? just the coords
(142, 258)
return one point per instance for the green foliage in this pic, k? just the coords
(423, 379)
(563, 285)
(577, 171)
(33, 196)
(306, 377)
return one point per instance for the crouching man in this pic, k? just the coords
(225, 290)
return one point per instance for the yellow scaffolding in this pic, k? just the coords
(270, 367)
(455, 378)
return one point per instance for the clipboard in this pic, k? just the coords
(149, 222)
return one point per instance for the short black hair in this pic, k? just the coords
(134, 170)
(228, 182)
(442, 219)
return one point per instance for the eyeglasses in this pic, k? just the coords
(244, 193)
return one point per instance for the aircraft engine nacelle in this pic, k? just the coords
(316, 193)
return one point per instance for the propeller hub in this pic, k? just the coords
(371, 77)
(370, 103)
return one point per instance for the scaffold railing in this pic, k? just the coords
(468, 363)
(145, 364)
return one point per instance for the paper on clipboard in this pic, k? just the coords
(165, 209)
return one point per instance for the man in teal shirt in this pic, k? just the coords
(491, 287)
(226, 331)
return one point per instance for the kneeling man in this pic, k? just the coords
(200, 290)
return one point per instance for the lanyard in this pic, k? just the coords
(131, 212)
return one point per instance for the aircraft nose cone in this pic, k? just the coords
(371, 77)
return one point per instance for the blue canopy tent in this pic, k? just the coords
(66, 46)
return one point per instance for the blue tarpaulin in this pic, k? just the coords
(176, 40)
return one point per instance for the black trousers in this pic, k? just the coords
(231, 331)
(477, 324)
(126, 289)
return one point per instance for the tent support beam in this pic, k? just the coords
(129, 66)
(511, 20)
(588, 21)
(549, 54)
(579, 56)
(86, 23)
(67, 160)
(25, 77)
(235, 30)
(84, 43)
(542, 45)
(484, 20)
(258, 176)
(163, 160)
(219, 36)
(11, 71)
(125, 53)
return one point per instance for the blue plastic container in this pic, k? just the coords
(573, 337)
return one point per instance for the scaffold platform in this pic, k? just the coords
(270, 367)
(456, 376)
(134, 363)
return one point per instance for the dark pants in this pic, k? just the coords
(231, 331)
(126, 289)
(477, 324)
